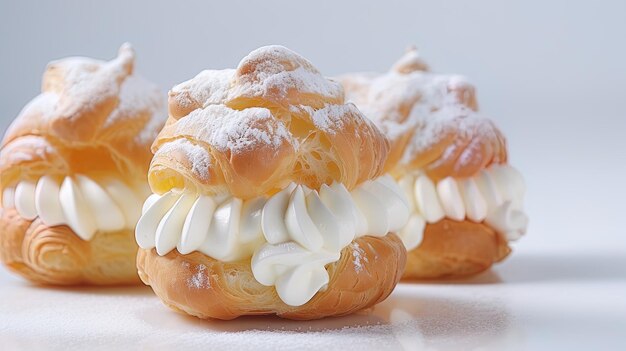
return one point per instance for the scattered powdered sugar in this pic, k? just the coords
(359, 257)
(200, 279)
(235, 130)
(244, 109)
(330, 117)
(74, 85)
(419, 101)
(277, 71)
(198, 156)
(137, 96)
(379, 98)
(209, 87)
(433, 125)
(440, 112)
(83, 83)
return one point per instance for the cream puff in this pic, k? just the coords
(451, 162)
(73, 170)
(269, 197)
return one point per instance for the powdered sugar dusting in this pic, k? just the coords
(438, 113)
(83, 83)
(330, 118)
(277, 70)
(359, 257)
(198, 156)
(209, 87)
(417, 101)
(138, 95)
(272, 93)
(73, 87)
(200, 279)
(235, 130)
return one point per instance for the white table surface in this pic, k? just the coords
(573, 301)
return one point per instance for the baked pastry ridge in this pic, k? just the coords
(72, 172)
(264, 172)
(451, 163)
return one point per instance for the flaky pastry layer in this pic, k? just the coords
(196, 284)
(55, 255)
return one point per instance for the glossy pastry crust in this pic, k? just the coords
(93, 118)
(198, 285)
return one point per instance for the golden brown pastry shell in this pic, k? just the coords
(453, 249)
(206, 288)
(56, 255)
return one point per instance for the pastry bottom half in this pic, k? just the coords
(453, 249)
(366, 273)
(56, 255)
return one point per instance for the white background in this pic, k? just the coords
(550, 73)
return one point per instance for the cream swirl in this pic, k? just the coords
(494, 196)
(225, 228)
(290, 236)
(81, 203)
(317, 225)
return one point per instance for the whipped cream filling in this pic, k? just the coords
(494, 196)
(81, 203)
(290, 235)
